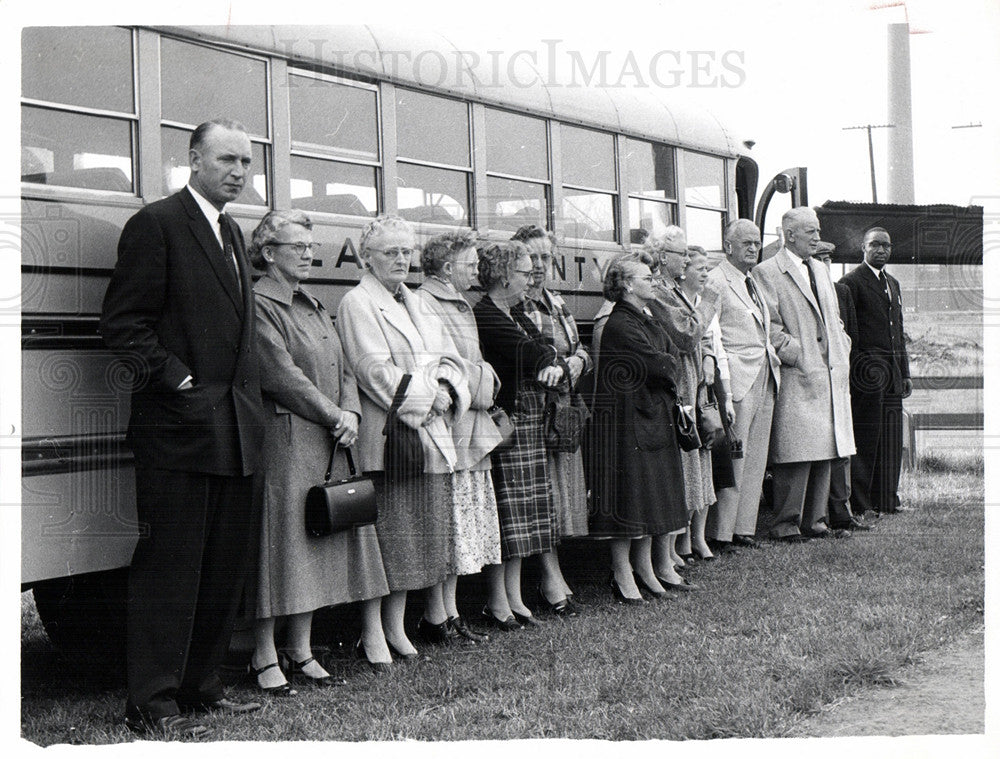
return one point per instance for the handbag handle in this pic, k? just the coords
(350, 462)
(397, 399)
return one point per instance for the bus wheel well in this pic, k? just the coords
(85, 614)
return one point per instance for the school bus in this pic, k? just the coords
(346, 122)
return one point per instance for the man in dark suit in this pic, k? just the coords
(180, 303)
(841, 515)
(880, 378)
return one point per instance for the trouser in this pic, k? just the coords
(878, 436)
(801, 491)
(840, 493)
(736, 509)
(185, 585)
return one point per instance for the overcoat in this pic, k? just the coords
(632, 457)
(812, 412)
(475, 434)
(383, 340)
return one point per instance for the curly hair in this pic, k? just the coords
(267, 231)
(533, 232)
(376, 227)
(441, 249)
(497, 261)
(621, 268)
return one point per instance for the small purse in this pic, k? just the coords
(504, 426)
(687, 427)
(710, 428)
(403, 452)
(340, 505)
(563, 420)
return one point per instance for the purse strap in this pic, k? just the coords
(397, 399)
(350, 462)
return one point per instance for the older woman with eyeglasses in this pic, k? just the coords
(548, 312)
(632, 453)
(388, 333)
(687, 327)
(450, 264)
(311, 402)
(527, 364)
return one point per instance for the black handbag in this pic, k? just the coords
(504, 426)
(403, 452)
(563, 419)
(710, 428)
(340, 505)
(687, 427)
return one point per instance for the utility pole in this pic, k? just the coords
(871, 150)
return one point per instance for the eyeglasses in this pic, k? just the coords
(299, 247)
(394, 252)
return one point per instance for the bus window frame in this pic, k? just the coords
(54, 191)
(555, 140)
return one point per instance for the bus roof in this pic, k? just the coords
(430, 61)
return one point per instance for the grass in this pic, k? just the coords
(774, 636)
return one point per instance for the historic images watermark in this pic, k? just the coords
(553, 65)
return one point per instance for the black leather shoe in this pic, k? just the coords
(527, 620)
(378, 666)
(168, 728)
(659, 595)
(561, 608)
(295, 670)
(223, 705)
(684, 586)
(284, 690)
(616, 590)
(794, 539)
(506, 625)
(721, 546)
(854, 525)
(437, 634)
(745, 541)
(461, 628)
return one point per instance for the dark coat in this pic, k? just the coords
(632, 457)
(174, 307)
(878, 357)
(845, 302)
(516, 351)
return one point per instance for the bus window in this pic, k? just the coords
(176, 170)
(333, 187)
(193, 76)
(511, 204)
(704, 228)
(434, 166)
(430, 195)
(516, 145)
(330, 117)
(704, 180)
(65, 72)
(652, 185)
(588, 177)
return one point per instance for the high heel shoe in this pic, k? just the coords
(616, 590)
(659, 595)
(683, 586)
(527, 620)
(407, 658)
(378, 666)
(283, 691)
(295, 669)
(562, 608)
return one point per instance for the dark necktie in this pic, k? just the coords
(812, 282)
(885, 285)
(229, 248)
(752, 289)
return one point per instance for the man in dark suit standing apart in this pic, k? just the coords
(841, 515)
(880, 378)
(180, 302)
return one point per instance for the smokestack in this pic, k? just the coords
(900, 156)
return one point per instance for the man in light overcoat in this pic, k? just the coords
(812, 414)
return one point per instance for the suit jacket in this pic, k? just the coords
(848, 315)
(746, 332)
(385, 339)
(878, 357)
(174, 306)
(812, 412)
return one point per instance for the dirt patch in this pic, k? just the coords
(942, 695)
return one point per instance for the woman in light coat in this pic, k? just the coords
(310, 401)
(388, 333)
(450, 264)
